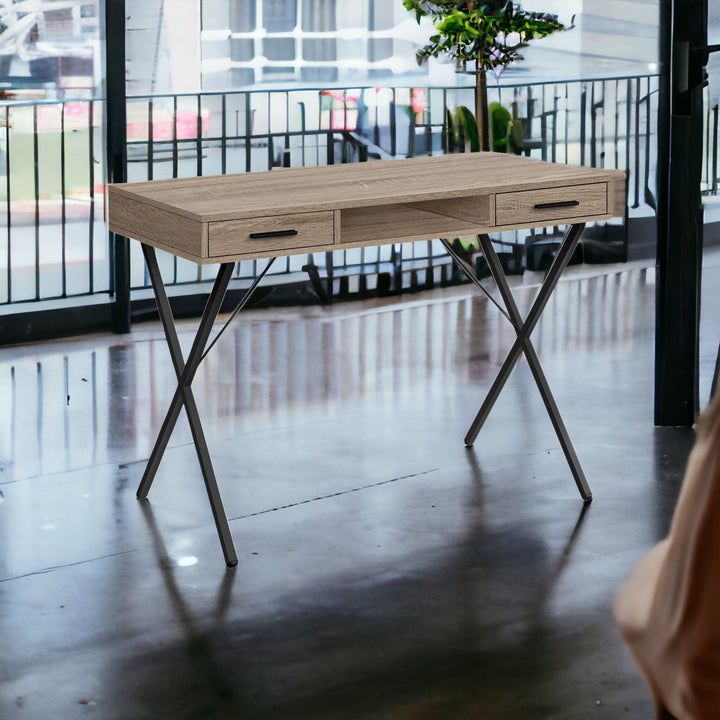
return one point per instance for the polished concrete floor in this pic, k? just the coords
(386, 571)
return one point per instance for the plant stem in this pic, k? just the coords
(481, 106)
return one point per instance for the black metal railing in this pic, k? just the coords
(53, 244)
(53, 237)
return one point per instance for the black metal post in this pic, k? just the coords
(116, 149)
(683, 54)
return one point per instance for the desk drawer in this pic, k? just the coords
(548, 204)
(263, 235)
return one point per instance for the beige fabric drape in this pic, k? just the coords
(668, 610)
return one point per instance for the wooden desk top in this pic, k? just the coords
(301, 210)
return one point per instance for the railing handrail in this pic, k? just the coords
(388, 86)
(252, 90)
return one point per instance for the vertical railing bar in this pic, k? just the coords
(175, 168)
(603, 126)
(715, 151)
(553, 154)
(636, 179)
(616, 132)
(198, 160)
(303, 131)
(393, 123)
(248, 133)
(223, 136)
(543, 122)
(8, 204)
(567, 122)
(151, 140)
(91, 179)
(529, 108)
(36, 179)
(593, 127)
(709, 149)
(444, 132)
(345, 109)
(63, 207)
(648, 116)
(286, 162)
(376, 128)
(286, 95)
(583, 121)
(198, 136)
(270, 141)
(706, 141)
(412, 127)
(628, 122)
(174, 137)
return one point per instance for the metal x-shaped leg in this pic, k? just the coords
(522, 344)
(185, 371)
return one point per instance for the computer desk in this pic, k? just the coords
(224, 219)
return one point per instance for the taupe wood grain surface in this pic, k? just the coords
(374, 202)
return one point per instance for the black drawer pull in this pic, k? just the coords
(272, 233)
(560, 204)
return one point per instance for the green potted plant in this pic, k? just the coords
(486, 35)
(460, 131)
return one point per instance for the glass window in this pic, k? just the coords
(319, 74)
(214, 14)
(279, 15)
(319, 49)
(273, 72)
(241, 77)
(381, 15)
(379, 49)
(243, 15)
(279, 48)
(319, 15)
(242, 49)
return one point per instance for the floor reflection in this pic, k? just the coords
(98, 404)
(385, 569)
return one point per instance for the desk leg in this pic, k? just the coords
(185, 372)
(522, 344)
